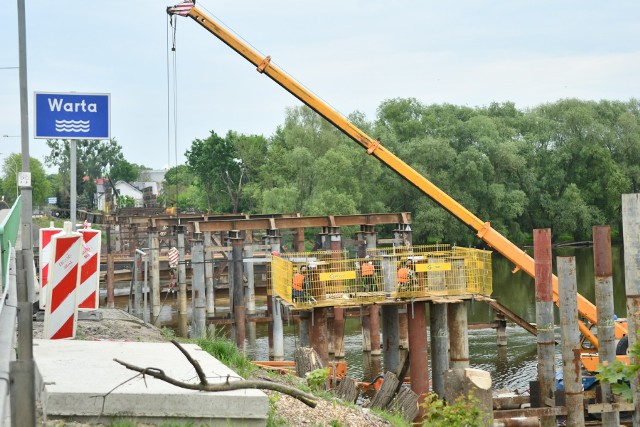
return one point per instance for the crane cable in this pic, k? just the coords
(172, 95)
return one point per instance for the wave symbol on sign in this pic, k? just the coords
(72, 126)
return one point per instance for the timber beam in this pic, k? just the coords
(302, 222)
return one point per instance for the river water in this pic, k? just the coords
(511, 367)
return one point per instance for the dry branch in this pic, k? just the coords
(307, 399)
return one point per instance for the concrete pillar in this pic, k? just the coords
(198, 300)
(318, 334)
(570, 335)
(439, 346)
(544, 318)
(418, 356)
(603, 268)
(458, 338)
(182, 285)
(276, 327)
(154, 256)
(390, 326)
(239, 315)
(208, 273)
(631, 227)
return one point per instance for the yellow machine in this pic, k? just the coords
(374, 148)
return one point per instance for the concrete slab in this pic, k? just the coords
(74, 375)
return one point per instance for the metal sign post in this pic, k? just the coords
(72, 116)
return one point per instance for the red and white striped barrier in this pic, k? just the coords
(61, 311)
(43, 262)
(88, 290)
(174, 256)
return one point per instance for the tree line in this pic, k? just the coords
(562, 165)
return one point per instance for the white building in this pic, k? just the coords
(124, 189)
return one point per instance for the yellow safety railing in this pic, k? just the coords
(320, 279)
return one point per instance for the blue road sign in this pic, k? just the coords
(72, 115)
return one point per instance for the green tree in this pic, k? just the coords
(177, 181)
(125, 171)
(94, 159)
(39, 183)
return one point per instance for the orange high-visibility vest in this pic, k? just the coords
(367, 269)
(298, 280)
(403, 275)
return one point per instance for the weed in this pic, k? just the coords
(227, 352)
(273, 420)
(464, 412)
(168, 333)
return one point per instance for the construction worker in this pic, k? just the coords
(368, 274)
(406, 277)
(299, 285)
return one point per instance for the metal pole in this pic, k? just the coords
(338, 312)
(198, 287)
(251, 281)
(390, 327)
(458, 336)
(439, 346)
(182, 285)
(154, 254)
(137, 296)
(208, 273)
(572, 377)
(419, 355)
(604, 305)
(319, 334)
(73, 188)
(544, 318)
(277, 336)
(238, 291)
(23, 371)
(145, 305)
(631, 227)
(110, 271)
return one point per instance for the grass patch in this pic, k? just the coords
(393, 418)
(227, 352)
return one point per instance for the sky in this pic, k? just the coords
(354, 54)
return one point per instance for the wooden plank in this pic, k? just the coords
(599, 408)
(529, 412)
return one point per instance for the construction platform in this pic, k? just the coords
(80, 381)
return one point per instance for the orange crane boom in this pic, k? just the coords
(373, 147)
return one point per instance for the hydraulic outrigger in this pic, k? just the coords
(373, 147)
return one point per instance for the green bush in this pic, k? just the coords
(464, 412)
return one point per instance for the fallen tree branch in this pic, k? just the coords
(308, 399)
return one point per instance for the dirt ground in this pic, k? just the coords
(118, 325)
